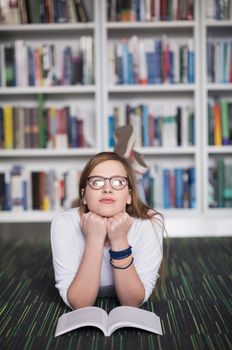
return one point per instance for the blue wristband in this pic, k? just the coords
(118, 255)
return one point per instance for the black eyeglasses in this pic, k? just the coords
(116, 182)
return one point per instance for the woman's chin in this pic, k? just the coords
(106, 212)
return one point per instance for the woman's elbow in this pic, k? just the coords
(78, 302)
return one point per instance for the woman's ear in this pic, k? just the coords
(82, 195)
(129, 199)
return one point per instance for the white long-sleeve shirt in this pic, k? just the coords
(68, 243)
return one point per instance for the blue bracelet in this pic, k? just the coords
(117, 255)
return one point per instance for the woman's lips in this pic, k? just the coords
(107, 201)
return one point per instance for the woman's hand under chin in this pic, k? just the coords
(94, 228)
(117, 230)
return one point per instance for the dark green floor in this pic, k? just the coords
(195, 307)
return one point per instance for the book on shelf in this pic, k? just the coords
(151, 61)
(7, 126)
(22, 190)
(154, 126)
(44, 11)
(46, 127)
(170, 188)
(220, 183)
(27, 64)
(218, 9)
(153, 10)
(119, 317)
(219, 60)
(219, 122)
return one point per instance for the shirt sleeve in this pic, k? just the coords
(148, 253)
(66, 252)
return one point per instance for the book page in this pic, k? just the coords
(127, 316)
(87, 316)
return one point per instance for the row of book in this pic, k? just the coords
(150, 10)
(152, 128)
(151, 61)
(220, 122)
(218, 9)
(170, 187)
(22, 190)
(24, 64)
(220, 183)
(219, 60)
(32, 127)
(43, 11)
(160, 187)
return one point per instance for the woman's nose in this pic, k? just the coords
(107, 187)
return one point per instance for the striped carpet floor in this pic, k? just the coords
(194, 304)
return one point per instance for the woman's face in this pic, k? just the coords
(107, 201)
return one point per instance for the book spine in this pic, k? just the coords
(225, 122)
(179, 187)
(111, 131)
(166, 188)
(8, 126)
(2, 192)
(217, 125)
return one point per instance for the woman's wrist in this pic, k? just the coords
(120, 244)
(95, 244)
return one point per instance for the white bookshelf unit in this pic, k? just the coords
(104, 95)
(217, 30)
(178, 94)
(86, 97)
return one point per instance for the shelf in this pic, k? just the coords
(150, 151)
(48, 152)
(219, 149)
(151, 88)
(47, 27)
(27, 216)
(219, 87)
(210, 23)
(221, 212)
(174, 212)
(150, 25)
(166, 151)
(47, 216)
(80, 89)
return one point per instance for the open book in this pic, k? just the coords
(119, 317)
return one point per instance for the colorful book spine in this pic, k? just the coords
(8, 127)
(111, 130)
(217, 125)
(153, 10)
(47, 64)
(151, 129)
(225, 122)
(169, 188)
(31, 127)
(219, 122)
(219, 61)
(155, 61)
(220, 183)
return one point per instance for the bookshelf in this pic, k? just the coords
(178, 94)
(216, 90)
(104, 95)
(83, 97)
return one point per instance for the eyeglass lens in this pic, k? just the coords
(117, 182)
